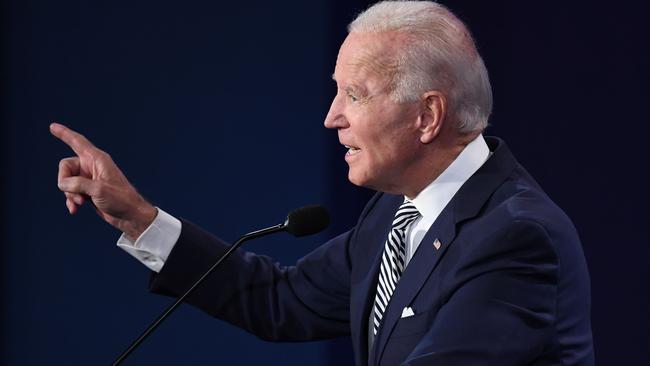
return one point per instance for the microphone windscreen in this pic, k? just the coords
(307, 220)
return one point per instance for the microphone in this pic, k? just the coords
(302, 221)
(307, 220)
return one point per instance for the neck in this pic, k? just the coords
(439, 156)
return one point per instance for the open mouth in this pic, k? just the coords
(352, 150)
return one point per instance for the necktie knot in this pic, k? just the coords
(406, 214)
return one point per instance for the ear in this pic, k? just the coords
(433, 115)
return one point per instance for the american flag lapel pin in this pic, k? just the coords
(436, 244)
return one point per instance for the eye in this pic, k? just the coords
(352, 97)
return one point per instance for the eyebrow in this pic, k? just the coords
(352, 87)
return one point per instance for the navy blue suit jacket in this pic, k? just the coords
(508, 286)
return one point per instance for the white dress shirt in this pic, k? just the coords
(432, 200)
(154, 245)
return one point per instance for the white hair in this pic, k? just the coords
(439, 54)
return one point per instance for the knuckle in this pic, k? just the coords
(66, 186)
(105, 155)
(74, 185)
(65, 163)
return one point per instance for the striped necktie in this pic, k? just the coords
(393, 260)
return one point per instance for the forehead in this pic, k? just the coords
(367, 55)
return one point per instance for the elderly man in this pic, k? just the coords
(459, 259)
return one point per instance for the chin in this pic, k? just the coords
(359, 179)
(355, 178)
(376, 182)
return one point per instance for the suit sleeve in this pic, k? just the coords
(503, 306)
(303, 302)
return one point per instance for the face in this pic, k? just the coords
(381, 135)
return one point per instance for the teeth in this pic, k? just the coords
(352, 150)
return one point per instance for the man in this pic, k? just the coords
(459, 259)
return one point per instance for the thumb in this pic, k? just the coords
(78, 184)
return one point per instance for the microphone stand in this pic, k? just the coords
(172, 307)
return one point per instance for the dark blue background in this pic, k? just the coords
(214, 111)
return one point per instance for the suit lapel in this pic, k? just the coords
(466, 204)
(419, 269)
(365, 289)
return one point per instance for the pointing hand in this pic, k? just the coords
(93, 174)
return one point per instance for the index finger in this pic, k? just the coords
(77, 142)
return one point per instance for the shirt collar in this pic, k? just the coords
(434, 197)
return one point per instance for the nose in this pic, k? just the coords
(335, 117)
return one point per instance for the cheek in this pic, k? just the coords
(381, 154)
(383, 131)
(393, 151)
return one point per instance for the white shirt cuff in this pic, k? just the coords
(154, 245)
